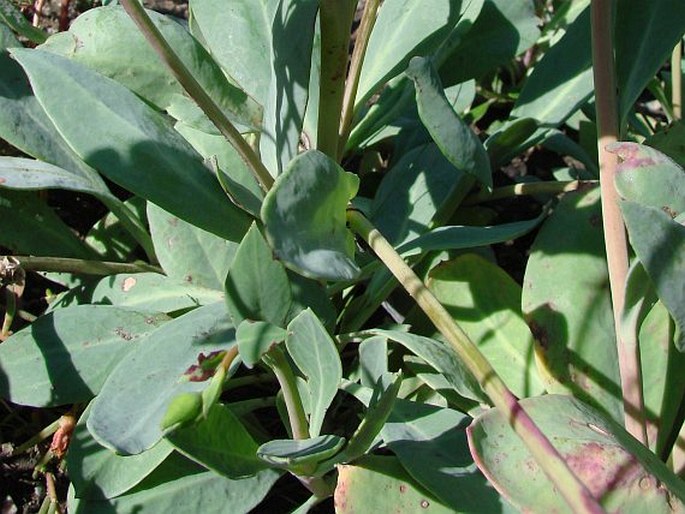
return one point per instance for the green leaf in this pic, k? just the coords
(379, 408)
(300, 455)
(502, 30)
(125, 139)
(430, 443)
(567, 305)
(485, 301)
(659, 243)
(670, 141)
(645, 35)
(257, 286)
(457, 237)
(65, 356)
(126, 415)
(649, 177)
(235, 177)
(187, 253)
(455, 139)
(20, 173)
(412, 191)
(12, 17)
(180, 485)
(149, 291)
(29, 226)
(316, 355)
(405, 28)
(373, 359)
(7, 39)
(269, 56)
(619, 471)
(562, 81)
(220, 443)
(97, 472)
(506, 143)
(255, 338)
(441, 357)
(110, 236)
(305, 220)
(380, 484)
(105, 38)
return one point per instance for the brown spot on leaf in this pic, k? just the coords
(403, 488)
(673, 214)
(126, 336)
(425, 504)
(2, 181)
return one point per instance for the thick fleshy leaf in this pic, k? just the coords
(505, 143)
(405, 28)
(380, 484)
(314, 352)
(486, 302)
(20, 173)
(567, 306)
(97, 472)
(105, 38)
(670, 142)
(181, 485)
(28, 226)
(127, 413)
(562, 81)
(235, 177)
(305, 220)
(65, 356)
(129, 142)
(645, 35)
(149, 291)
(412, 192)
(430, 443)
(503, 30)
(300, 455)
(659, 243)
(269, 56)
(221, 443)
(255, 338)
(455, 139)
(257, 286)
(621, 473)
(458, 237)
(649, 177)
(7, 38)
(441, 357)
(188, 253)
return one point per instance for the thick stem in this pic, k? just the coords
(276, 360)
(527, 189)
(10, 312)
(614, 230)
(548, 458)
(136, 11)
(67, 265)
(360, 45)
(677, 80)
(336, 18)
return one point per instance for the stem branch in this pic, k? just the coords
(548, 458)
(615, 239)
(87, 267)
(136, 11)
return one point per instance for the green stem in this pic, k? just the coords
(39, 437)
(615, 239)
(528, 189)
(360, 45)
(276, 360)
(548, 458)
(87, 267)
(136, 11)
(677, 80)
(336, 18)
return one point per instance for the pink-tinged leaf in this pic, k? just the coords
(621, 473)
